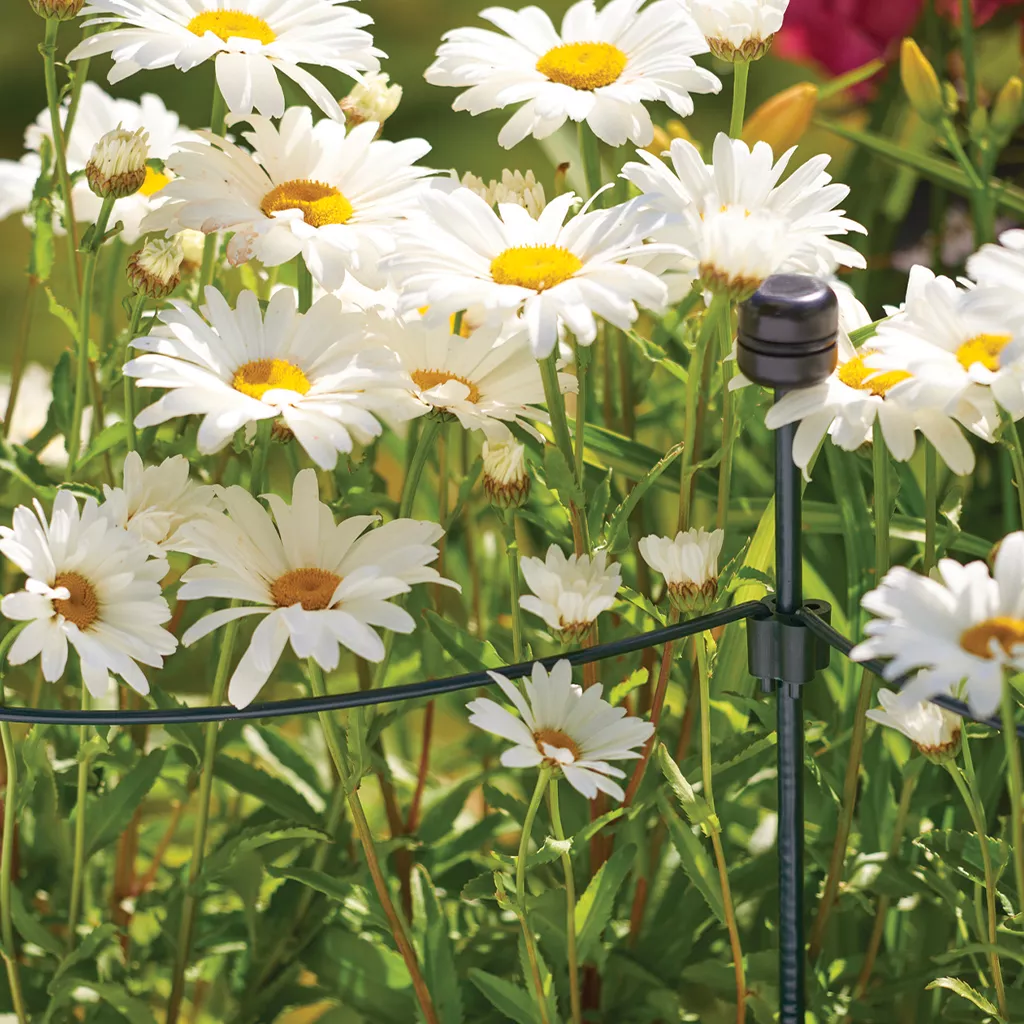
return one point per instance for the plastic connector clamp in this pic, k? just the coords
(782, 650)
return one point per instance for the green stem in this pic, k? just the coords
(84, 318)
(974, 807)
(583, 357)
(305, 284)
(129, 382)
(78, 863)
(705, 721)
(512, 553)
(555, 401)
(570, 907)
(207, 270)
(728, 418)
(335, 745)
(1013, 443)
(49, 51)
(741, 72)
(1016, 783)
(590, 158)
(20, 352)
(260, 456)
(424, 447)
(967, 52)
(882, 501)
(931, 500)
(524, 845)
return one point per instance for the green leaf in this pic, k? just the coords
(508, 999)
(620, 517)
(548, 852)
(277, 795)
(129, 1006)
(438, 955)
(63, 402)
(253, 839)
(694, 807)
(109, 815)
(620, 691)
(695, 861)
(472, 654)
(107, 438)
(86, 951)
(962, 989)
(187, 734)
(961, 851)
(594, 908)
(61, 312)
(466, 489)
(598, 504)
(29, 927)
(331, 887)
(560, 478)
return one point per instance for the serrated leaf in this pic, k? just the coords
(253, 839)
(598, 504)
(594, 908)
(281, 798)
(508, 999)
(695, 861)
(29, 927)
(550, 850)
(108, 816)
(86, 951)
(472, 654)
(131, 1007)
(438, 955)
(642, 603)
(109, 437)
(481, 887)
(961, 851)
(694, 807)
(560, 479)
(620, 691)
(330, 886)
(83, 490)
(621, 515)
(962, 989)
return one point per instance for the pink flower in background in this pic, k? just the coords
(844, 34)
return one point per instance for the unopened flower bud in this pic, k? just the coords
(371, 99)
(514, 188)
(689, 563)
(506, 480)
(192, 244)
(61, 10)
(660, 143)
(117, 166)
(782, 120)
(1007, 110)
(921, 83)
(155, 269)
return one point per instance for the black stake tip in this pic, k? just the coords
(787, 332)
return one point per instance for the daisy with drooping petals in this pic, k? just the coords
(570, 593)
(237, 367)
(689, 563)
(462, 254)
(565, 727)
(90, 584)
(935, 731)
(738, 30)
(486, 386)
(319, 584)
(844, 407)
(251, 42)
(154, 502)
(601, 68)
(97, 115)
(735, 220)
(962, 629)
(335, 197)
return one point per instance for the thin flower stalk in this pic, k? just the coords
(570, 906)
(931, 500)
(78, 856)
(741, 75)
(208, 269)
(129, 385)
(728, 418)
(512, 556)
(1015, 779)
(20, 352)
(524, 847)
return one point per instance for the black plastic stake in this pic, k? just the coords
(786, 340)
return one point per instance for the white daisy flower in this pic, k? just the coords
(486, 386)
(738, 29)
(935, 731)
(1001, 266)
(90, 584)
(964, 627)
(335, 197)
(565, 727)
(737, 223)
(462, 254)
(513, 187)
(689, 563)
(238, 366)
(570, 593)
(155, 502)
(952, 352)
(251, 42)
(844, 406)
(601, 68)
(97, 115)
(319, 584)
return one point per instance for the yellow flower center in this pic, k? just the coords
(583, 65)
(1005, 631)
(320, 204)
(854, 374)
(556, 738)
(155, 180)
(984, 349)
(255, 379)
(228, 24)
(82, 607)
(312, 588)
(537, 267)
(427, 379)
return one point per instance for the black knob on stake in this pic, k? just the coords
(787, 332)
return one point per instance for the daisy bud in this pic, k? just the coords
(155, 269)
(739, 31)
(921, 83)
(117, 166)
(192, 244)
(935, 731)
(61, 10)
(689, 563)
(1006, 111)
(506, 480)
(514, 188)
(372, 99)
(782, 120)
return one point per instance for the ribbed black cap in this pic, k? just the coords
(787, 332)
